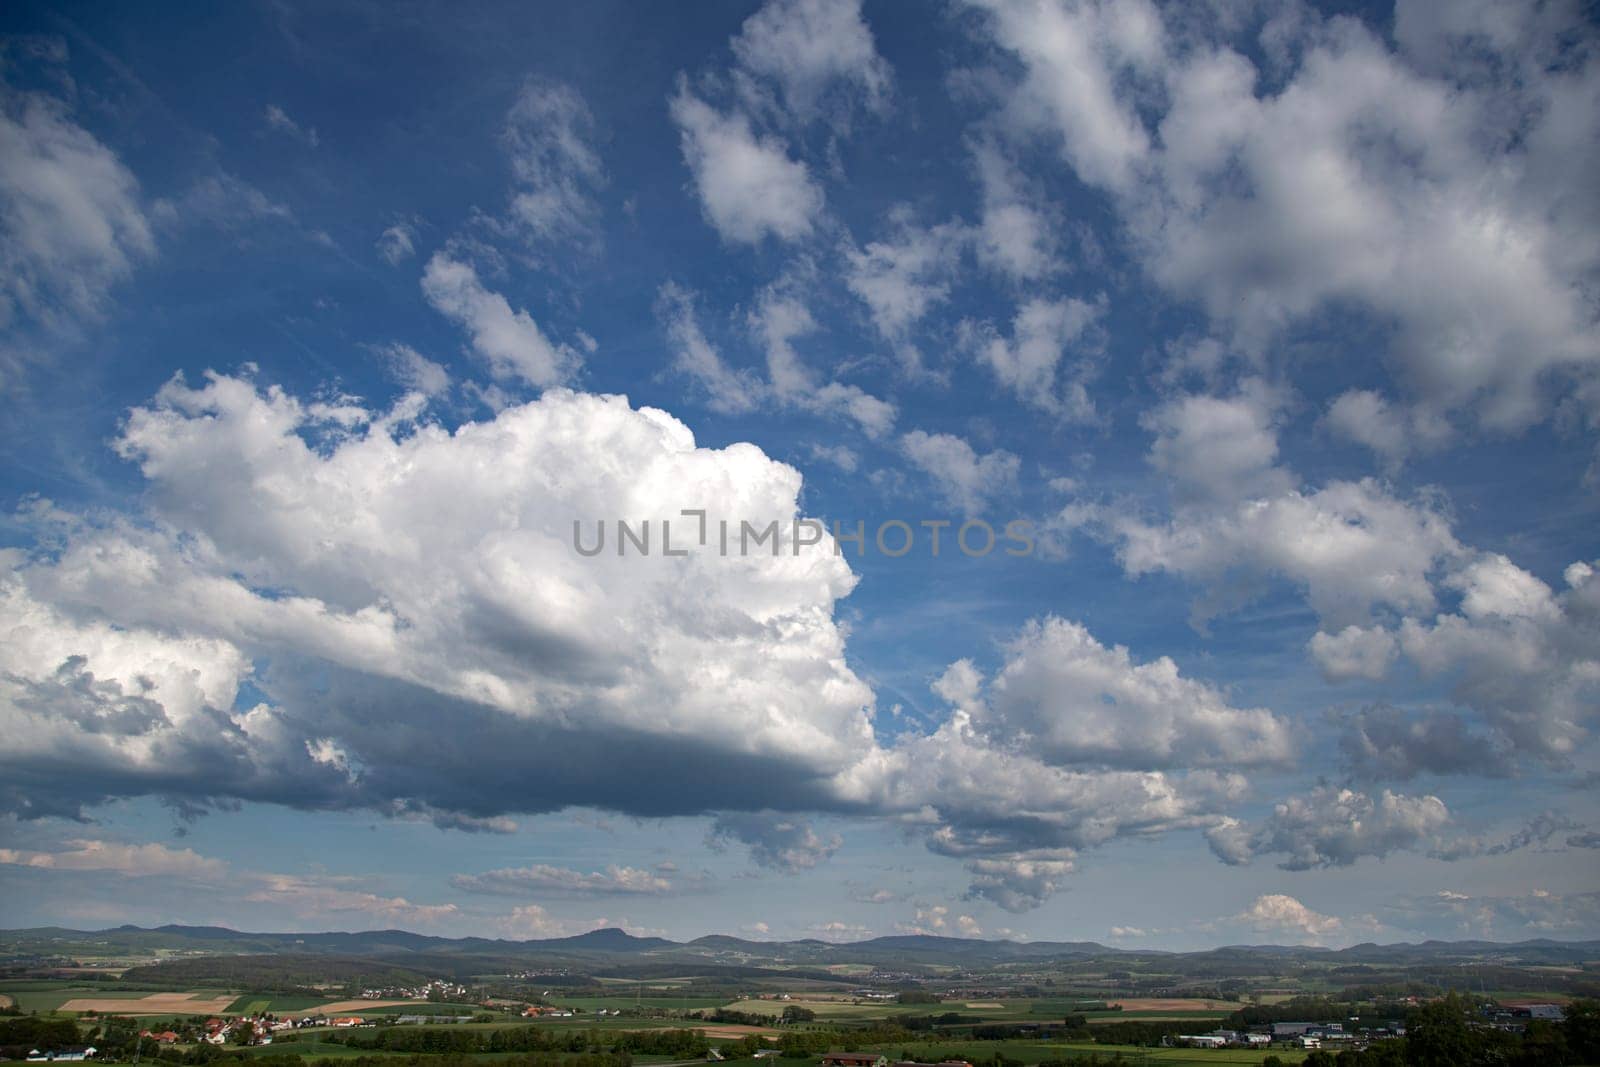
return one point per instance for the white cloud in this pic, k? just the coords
(134, 861)
(902, 277)
(415, 371)
(279, 121)
(1219, 448)
(1333, 827)
(966, 480)
(431, 574)
(1442, 189)
(1354, 652)
(507, 339)
(532, 922)
(1277, 913)
(1365, 417)
(748, 186)
(779, 318)
(809, 49)
(543, 879)
(1351, 546)
(71, 222)
(549, 137)
(1016, 230)
(1033, 362)
(727, 390)
(397, 243)
(309, 897)
(1073, 700)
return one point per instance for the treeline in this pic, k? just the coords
(446, 1060)
(678, 1044)
(275, 974)
(1314, 1009)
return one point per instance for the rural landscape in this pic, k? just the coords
(204, 995)
(837, 533)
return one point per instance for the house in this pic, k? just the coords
(1284, 1031)
(343, 1021)
(854, 1059)
(165, 1037)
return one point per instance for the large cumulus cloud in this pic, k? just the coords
(328, 605)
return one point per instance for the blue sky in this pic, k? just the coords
(1275, 327)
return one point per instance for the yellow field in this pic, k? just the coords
(154, 1004)
(335, 1007)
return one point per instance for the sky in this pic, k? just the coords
(1244, 360)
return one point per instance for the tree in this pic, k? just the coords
(1437, 1035)
(1582, 1028)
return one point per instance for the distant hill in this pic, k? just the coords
(613, 950)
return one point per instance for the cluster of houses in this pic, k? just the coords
(546, 1011)
(1306, 1035)
(871, 1059)
(260, 1028)
(433, 989)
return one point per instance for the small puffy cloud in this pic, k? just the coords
(966, 480)
(507, 339)
(776, 841)
(531, 922)
(1365, 417)
(749, 187)
(1277, 913)
(1333, 827)
(1219, 448)
(1034, 361)
(544, 880)
(901, 277)
(820, 54)
(278, 121)
(1075, 701)
(414, 370)
(397, 243)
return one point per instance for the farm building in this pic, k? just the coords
(854, 1059)
(69, 1054)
